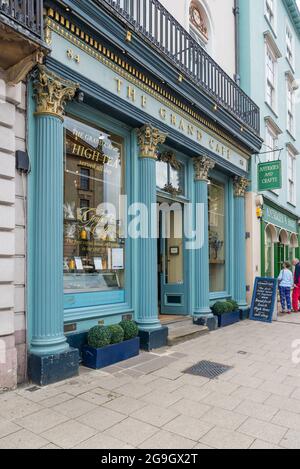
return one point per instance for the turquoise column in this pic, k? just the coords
(47, 315)
(147, 315)
(48, 324)
(202, 312)
(240, 187)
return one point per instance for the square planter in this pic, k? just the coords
(111, 354)
(228, 319)
(244, 314)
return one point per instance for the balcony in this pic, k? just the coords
(21, 35)
(155, 24)
(26, 13)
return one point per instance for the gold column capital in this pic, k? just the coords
(148, 139)
(52, 92)
(202, 166)
(240, 185)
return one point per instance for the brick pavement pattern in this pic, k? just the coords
(148, 402)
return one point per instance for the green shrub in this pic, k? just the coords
(130, 329)
(117, 334)
(234, 305)
(222, 307)
(99, 336)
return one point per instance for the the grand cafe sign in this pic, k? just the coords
(106, 75)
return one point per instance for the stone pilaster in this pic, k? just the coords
(240, 187)
(51, 358)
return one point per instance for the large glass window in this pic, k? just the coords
(217, 235)
(93, 183)
(170, 174)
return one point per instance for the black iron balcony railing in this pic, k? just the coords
(27, 13)
(154, 22)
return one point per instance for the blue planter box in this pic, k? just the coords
(228, 319)
(111, 354)
(244, 314)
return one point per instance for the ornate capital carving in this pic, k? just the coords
(202, 166)
(148, 139)
(52, 92)
(240, 185)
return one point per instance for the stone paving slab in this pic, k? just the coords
(149, 402)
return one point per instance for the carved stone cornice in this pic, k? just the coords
(240, 185)
(52, 92)
(202, 166)
(148, 140)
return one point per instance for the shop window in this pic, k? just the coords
(269, 253)
(93, 242)
(217, 241)
(170, 174)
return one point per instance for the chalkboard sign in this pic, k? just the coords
(264, 297)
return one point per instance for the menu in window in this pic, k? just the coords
(117, 258)
(98, 263)
(78, 263)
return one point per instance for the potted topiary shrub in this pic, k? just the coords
(244, 313)
(226, 312)
(109, 345)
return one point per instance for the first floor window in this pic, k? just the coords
(291, 178)
(93, 183)
(217, 236)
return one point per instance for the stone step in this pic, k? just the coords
(182, 332)
(167, 320)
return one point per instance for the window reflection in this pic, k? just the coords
(93, 177)
(170, 174)
(217, 248)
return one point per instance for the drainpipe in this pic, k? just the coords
(236, 12)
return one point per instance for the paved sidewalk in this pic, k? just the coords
(148, 402)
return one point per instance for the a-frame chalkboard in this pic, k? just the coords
(263, 301)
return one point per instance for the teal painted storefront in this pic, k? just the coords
(213, 167)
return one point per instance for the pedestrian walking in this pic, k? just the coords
(286, 282)
(296, 292)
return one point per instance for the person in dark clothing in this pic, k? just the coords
(296, 291)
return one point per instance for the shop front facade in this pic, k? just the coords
(136, 195)
(280, 231)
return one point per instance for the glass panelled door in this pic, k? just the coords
(171, 261)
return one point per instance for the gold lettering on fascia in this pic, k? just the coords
(131, 93)
(176, 121)
(220, 149)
